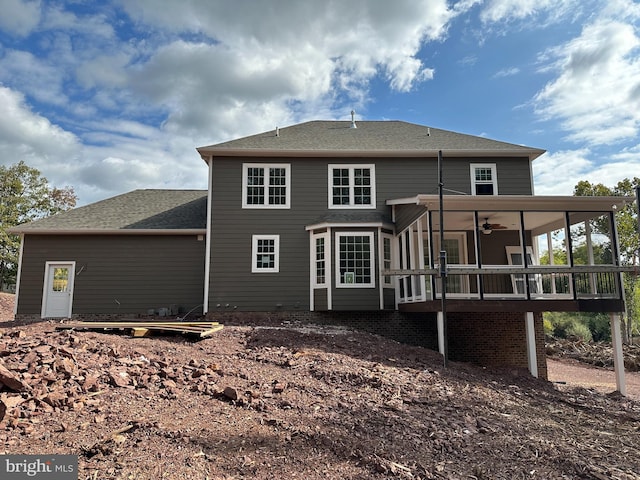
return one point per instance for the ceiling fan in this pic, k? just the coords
(487, 227)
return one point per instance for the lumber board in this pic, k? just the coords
(133, 323)
(144, 328)
(141, 332)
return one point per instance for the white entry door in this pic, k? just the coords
(57, 296)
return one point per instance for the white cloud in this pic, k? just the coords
(595, 94)
(354, 39)
(509, 10)
(507, 72)
(577, 165)
(33, 76)
(32, 135)
(20, 17)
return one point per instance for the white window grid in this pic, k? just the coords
(266, 185)
(355, 259)
(482, 175)
(352, 186)
(265, 254)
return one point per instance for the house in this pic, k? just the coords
(338, 221)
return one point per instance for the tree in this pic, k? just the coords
(628, 240)
(25, 195)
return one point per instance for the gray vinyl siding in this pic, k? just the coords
(405, 215)
(233, 287)
(320, 299)
(140, 272)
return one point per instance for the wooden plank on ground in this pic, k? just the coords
(144, 328)
(141, 332)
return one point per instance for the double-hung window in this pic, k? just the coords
(355, 259)
(266, 185)
(265, 254)
(387, 243)
(484, 179)
(319, 267)
(352, 186)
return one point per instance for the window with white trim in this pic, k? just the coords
(484, 179)
(352, 186)
(320, 264)
(265, 254)
(266, 185)
(387, 242)
(355, 260)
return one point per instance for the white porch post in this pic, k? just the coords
(441, 333)
(618, 359)
(532, 356)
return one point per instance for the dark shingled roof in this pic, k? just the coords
(137, 210)
(318, 138)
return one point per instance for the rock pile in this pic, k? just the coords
(60, 371)
(262, 403)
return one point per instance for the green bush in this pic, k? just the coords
(580, 330)
(564, 325)
(548, 326)
(599, 325)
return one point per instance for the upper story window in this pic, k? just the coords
(266, 185)
(352, 186)
(484, 179)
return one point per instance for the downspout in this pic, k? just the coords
(207, 250)
(443, 265)
(478, 245)
(525, 263)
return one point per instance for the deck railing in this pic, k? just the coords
(496, 281)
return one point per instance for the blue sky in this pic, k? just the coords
(110, 96)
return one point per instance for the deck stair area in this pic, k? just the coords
(144, 329)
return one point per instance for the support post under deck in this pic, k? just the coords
(618, 358)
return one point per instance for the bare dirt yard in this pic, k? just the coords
(298, 402)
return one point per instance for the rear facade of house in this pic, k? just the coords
(338, 222)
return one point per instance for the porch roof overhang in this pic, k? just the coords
(538, 203)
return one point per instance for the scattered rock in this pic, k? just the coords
(11, 381)
(231, 393)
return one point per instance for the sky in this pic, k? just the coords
(109, 96)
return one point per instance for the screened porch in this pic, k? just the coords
(507, 248)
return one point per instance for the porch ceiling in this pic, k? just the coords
(543, 213)
(517, 202)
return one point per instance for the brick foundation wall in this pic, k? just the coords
(496, 339)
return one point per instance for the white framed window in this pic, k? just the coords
(355, 258)
(484, 179)
(320, 271)
(352, 186)
(387, 256)
(265, 254)
(266, 185)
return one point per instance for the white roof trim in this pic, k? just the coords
(206, 153)
(318, 226)
(121, 231)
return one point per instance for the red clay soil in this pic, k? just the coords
(298, 402)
